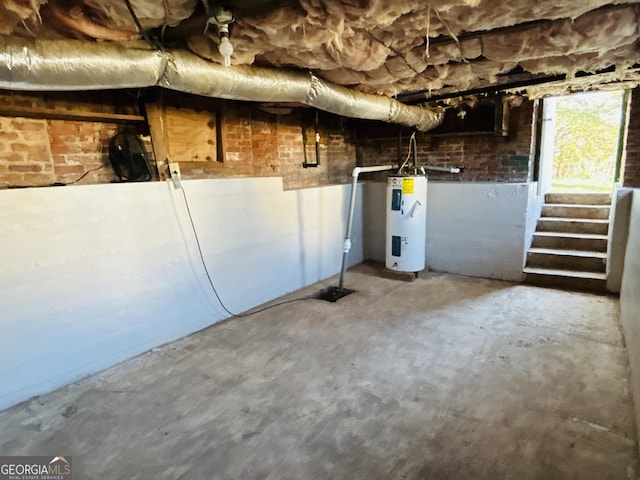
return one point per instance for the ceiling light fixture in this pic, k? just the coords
(222, 18)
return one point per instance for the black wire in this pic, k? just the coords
(205, 3)
(213, 288)
(57, 184)
(166, 19)
(135, 19)
(87, 173)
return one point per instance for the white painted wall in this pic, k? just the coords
(93, 275)
(630, 299)
(534, 209)
(618, 233)
(476, 229)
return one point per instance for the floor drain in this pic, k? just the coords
(333, 294)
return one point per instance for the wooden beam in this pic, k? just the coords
(75, 115)
(159, 141)
(507, 82)
(520, 27)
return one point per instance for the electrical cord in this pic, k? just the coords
(166, 19)
(136, 20)
(412, 141)
(213, 288)
(86, 173)
(57, 184)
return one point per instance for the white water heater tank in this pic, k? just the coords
(406, 223)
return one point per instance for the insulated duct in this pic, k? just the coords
(67, 65)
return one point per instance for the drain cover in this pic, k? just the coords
(333, 294)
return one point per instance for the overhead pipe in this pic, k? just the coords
(67, 65)
(346, 248)
(443, 169)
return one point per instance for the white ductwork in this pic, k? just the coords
(67, 65)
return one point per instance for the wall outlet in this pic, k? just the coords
(174, 171)
(174, 168)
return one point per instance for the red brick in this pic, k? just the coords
(34, 152)
(34, 136)
(63, 127)
(33, 125)
(69, 169)
(65, 148)
(8, 136)
(632, 160)
(37, 179)
(12, 157)
(34, 167)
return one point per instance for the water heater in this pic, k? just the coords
(406, 223)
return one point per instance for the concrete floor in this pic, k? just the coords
(444, 378)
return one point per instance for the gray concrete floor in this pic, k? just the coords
(444, 378)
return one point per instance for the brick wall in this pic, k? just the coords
(257, 143)
(43, 151)
(632, 162)
(484, 156)
(38, 152)
(47, 150)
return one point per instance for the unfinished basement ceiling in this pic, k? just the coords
(414, 50)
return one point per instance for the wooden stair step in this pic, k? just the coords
(570, 241)
(566, 279)
(576, 253)
(579, 260)
(572, 225)
(565, 210)
(579, 198)
(593, 236)
(556, 272)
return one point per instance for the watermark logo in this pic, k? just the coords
(35, 468)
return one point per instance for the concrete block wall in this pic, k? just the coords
(96, 274)
(476, 229)
(485, 157)
(630, 298)
(618, 236)
(619, 230)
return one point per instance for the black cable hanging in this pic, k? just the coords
(154, 43)
(213, 288)
(86, 173)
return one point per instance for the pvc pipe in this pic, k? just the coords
(376, 168)
(352, 204)
(443, 169)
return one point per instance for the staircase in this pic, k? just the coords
(569, 248)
